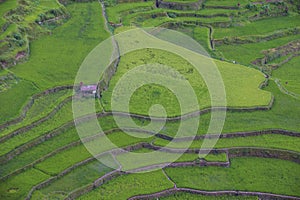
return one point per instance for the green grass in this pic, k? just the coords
(116, 12)
(5, 7)
(152, 17)
(46, 103)
(260, 27)
(288, 75)
(146, 157)
(36, 152)
(53, 66)
(189, 196)
(39, 7)
(76, 154)
(18, 187)
(244, 174)
(62, 116)
(41, 107)
(76, 37)
(201, 35)
(161, 20)
(222, 157)
(129, 185)
(263, 141)
(13, 99)
(77, 178)
(145, 96)
(250, 52)
(198, 33)
(283, 115)
(226, 2)
(182, 1)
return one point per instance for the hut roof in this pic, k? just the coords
(87, 88)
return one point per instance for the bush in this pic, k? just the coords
(251, 6)
(171, 15)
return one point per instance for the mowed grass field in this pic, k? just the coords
(56, 65)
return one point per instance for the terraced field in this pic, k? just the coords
(254, 45)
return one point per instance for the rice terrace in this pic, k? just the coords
(149, 99)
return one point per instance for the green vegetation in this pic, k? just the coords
(252, 51)
(62, 33)
(232, 3)
(76, 179)
(237, 95)
(266, 141)
(116, 12)
(26, 20)
(61, 117)
(77, 37)
(47, 72)
(5, 7)
(190, 196)
(17, 187)
(283, 115)
(17, 95)
(288, 75)
(244, 174)
(129, 185)
(79, 153)
(259, 27)
(41, 107)
(38, 151)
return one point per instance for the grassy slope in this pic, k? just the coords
(41, 108)
(249, 52)
(283, 115)
(17, 187)
(242, 90)
(76, 179)
(5, 7)
(289, 75)
(263, 141)
(76, 154)
(226, 3)
(189, 196)
(260, 27)
(66, 48)
(130, 185)
(58, 63)
(264, 119)
(247, 174)
(13, 99)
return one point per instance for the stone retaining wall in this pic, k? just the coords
(179, 6)
(31, 102)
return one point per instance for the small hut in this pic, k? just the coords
(87, 90)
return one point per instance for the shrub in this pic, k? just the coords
(171, 15)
